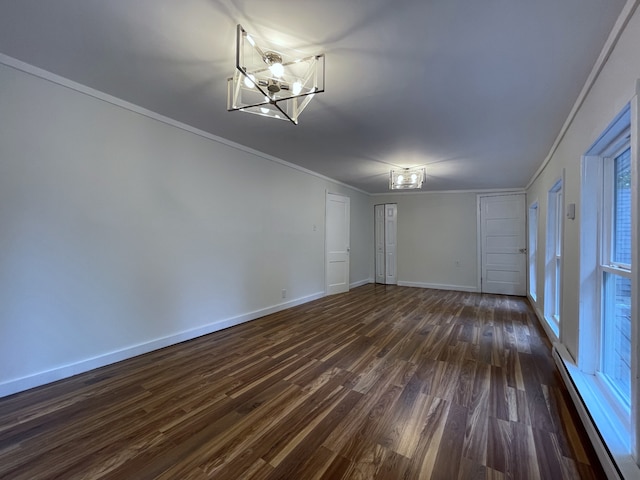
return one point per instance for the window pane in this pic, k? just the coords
(616, 345)
(622, 210)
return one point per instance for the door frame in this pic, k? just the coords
(479, 196)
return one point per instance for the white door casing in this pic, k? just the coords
(337, 247)
(503, 243)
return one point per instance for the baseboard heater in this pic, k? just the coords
(560, 355)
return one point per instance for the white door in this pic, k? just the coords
(390, 243)
(386, 228)
(503, 244)
(379, 240)
(337, 243)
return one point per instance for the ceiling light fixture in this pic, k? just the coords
(272, 81)
(407, 178)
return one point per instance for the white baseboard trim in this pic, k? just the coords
(360, 283)
(596, 419)
(25, 383)
(437, 286)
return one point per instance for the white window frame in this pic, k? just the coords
(618, 426)
(557, 253)
(553, 267)
(532, 248)
(607, 265)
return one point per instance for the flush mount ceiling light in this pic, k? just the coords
(407, 178)
(272, 81)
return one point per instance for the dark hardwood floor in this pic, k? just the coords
(380, 383)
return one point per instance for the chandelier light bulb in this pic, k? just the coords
(414, 177)
(277, 69)
(264, 110)
(248, 81)
(400, 178)
(297, 88)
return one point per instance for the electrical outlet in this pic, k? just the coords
(284, 293)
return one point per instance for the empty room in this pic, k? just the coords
(366, 239)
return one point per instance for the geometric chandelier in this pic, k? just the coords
(272, 81)
(407, 178)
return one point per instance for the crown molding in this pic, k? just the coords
(105, 97)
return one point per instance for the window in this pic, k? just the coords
(533, 248)
(615, 274)
(607, 273)
(553, 270)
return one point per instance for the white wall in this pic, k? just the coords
(613, 89)
(120, 233)
(437, 239)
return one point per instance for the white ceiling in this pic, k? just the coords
(475, 90)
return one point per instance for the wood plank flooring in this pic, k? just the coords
(380, 383)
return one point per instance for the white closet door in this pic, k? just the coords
(379, 242)
(390, 243)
